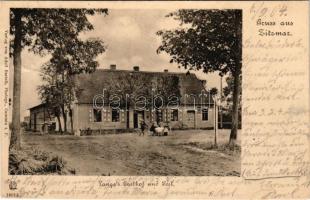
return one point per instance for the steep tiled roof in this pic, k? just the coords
(90, 85)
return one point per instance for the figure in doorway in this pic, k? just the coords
(143, 127)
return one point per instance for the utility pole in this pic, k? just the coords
(221, 111)
(215, 98)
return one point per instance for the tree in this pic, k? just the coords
(213, 91)
(128, 87)
(228, 92)
(211, 41)
(141, 90)
(50, 92)
(42, 31)
(228, 98)
(58, 74)
(168, 88)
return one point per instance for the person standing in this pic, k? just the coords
(143, 126)
(152, 129)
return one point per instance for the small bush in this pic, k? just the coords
(40, 155)
(35, 162)
(224, 148)
(55, 164)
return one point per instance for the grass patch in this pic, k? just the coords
(36, 162)
(224, 148)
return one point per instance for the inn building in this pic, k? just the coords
(194, 108)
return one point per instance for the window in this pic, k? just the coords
(97, 115)
(115, 115)
(205, 114)
(191, 115)
(174, 115)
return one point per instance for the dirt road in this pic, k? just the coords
(186, 153)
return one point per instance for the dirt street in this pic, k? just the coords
(185, 153)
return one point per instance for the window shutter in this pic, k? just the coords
(168, 116)
(90, 115)
(152, 115)
(104, 114)
(122, 116)
(108, 118)
(181, 115)
(163, 115)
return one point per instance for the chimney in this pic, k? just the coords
(112, 67)
(136, 68)
(166, 70)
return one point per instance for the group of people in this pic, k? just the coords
(158, 130)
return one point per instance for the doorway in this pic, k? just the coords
(137, 117)
(191, 118)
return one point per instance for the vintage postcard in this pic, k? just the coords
(155, 99)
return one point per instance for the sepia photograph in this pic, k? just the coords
(125, 92)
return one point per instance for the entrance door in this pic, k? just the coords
(138, 116)
(191, 119)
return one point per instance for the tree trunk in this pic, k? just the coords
(17, 48)
(64, 114)
(127, 115)
(237, 87)
(71, 119)
(235, 107)
(157, 118)
(49, 114)
(59, 124)
(65, 117)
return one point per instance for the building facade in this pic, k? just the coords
(95, 106)
(40, 118)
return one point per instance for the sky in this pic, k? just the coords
(131, 40)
